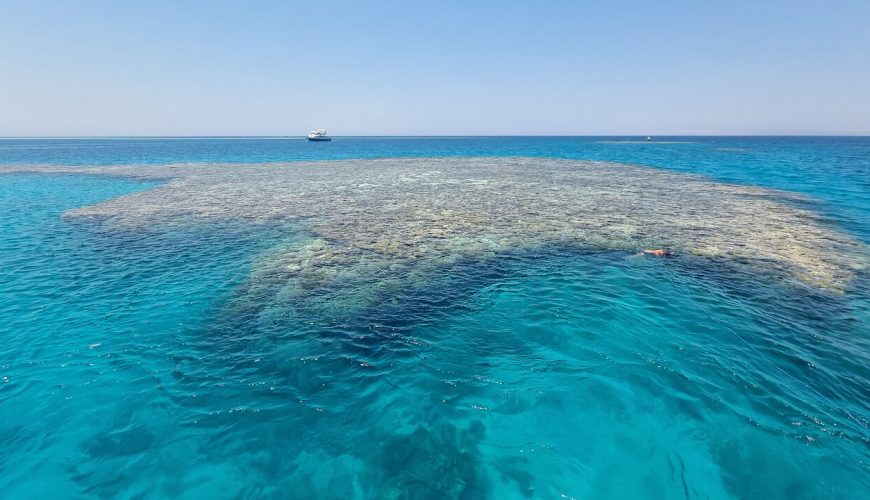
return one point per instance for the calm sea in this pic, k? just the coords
(128, 370)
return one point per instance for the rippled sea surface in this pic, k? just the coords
(185, 335)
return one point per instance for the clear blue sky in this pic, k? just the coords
(440, 67)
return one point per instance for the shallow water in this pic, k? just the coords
(166, 358)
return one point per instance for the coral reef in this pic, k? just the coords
(373, 221)
(438, 463)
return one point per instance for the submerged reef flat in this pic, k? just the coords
(371, 221)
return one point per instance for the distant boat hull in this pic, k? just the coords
(319, 135)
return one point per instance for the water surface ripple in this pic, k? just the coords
(463, 328)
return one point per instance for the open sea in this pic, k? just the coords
(161, 360)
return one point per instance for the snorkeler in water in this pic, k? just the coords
(657, 252)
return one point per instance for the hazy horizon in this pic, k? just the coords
(301, 136)
(169, 69)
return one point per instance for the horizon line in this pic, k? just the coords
(302, 136)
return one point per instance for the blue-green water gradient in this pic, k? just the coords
(134, 366)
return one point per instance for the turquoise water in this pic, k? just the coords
(136, 364)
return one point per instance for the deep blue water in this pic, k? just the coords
(133, 365)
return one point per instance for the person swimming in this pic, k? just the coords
(657, 252)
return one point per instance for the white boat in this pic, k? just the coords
(318, 135)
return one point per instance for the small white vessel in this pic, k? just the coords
(649, 139)
(318, 135)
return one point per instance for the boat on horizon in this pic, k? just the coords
(318, 135)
